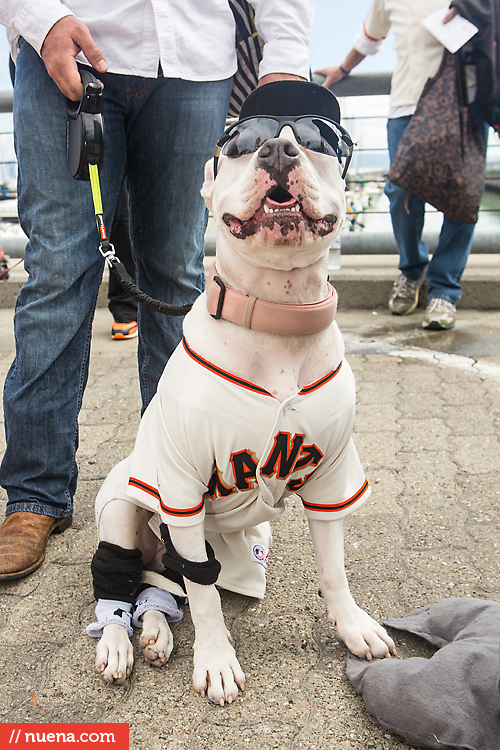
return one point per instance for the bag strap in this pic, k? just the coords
(461, 84)
(249, 48)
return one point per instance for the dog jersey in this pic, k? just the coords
(217, 448)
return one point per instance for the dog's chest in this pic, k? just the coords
(282, 365)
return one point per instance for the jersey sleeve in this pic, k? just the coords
(338, 486)
(180, 482)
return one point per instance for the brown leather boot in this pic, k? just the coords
(23, 538)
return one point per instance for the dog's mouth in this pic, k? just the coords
(279, 208)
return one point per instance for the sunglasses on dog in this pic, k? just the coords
(312, 133)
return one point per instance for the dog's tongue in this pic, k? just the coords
(282, 206)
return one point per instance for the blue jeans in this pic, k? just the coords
(159, 134)
(449, 259)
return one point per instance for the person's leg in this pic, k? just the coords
(455, 243)
(52, 323)
(173, 128)
(122, 307)
(407, 212)
(407, 216)
(449, 260)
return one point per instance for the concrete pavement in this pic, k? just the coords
(427, 431)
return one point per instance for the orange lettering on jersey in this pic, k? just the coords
(283, 455)
(244, 469)
(217, 487)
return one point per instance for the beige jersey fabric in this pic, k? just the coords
(212, 447)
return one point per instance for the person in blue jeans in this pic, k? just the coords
(167, 73)
(419, 55)
(445, 269)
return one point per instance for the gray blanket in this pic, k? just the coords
(450, 701)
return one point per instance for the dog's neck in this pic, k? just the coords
(290, 286)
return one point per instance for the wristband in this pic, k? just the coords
(345, 72)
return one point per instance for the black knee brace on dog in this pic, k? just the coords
(116, 572)
(204, 573)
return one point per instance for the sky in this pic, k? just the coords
(333, 32)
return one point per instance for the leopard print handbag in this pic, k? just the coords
(441, 156)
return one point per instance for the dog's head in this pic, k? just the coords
(278, 195)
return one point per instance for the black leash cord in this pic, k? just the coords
(133, 290)
(108, 252)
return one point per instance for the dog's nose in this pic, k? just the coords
(278, 154)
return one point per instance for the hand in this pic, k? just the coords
(65, 40)
(451, 14)
(279, 77)
(333, 75)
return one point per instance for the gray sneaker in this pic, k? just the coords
(404, 295)
(440, 315)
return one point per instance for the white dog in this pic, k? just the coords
(256, 404)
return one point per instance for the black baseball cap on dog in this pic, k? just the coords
(291, 98)
(312, 111)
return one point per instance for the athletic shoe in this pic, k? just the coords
(440, 315)
(125, 330)
(404, 295)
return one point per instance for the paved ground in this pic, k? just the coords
(427, 431)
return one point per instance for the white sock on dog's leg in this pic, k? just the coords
(110, 611)
(158, 599)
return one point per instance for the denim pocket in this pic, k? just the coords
(21, 42)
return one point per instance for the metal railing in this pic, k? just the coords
(364, 241)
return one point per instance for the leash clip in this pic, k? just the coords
(107, 251)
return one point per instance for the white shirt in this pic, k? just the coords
(192, 39)
(418, 52)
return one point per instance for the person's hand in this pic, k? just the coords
(451, 14)
(270, 77)
(333, 75)
(65, 40)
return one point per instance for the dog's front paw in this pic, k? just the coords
(217, 672)
(156, 638)
(114, 655)
(362, 635)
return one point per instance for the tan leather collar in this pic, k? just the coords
(271, 317)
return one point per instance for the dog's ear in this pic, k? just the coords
(208, 185)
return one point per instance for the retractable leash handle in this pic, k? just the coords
(85, 154)
(85, 129)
